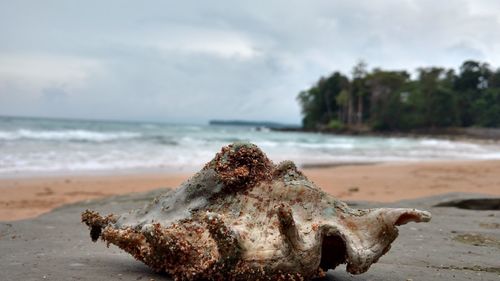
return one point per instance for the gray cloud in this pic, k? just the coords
(193, 61)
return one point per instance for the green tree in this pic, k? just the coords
(470, 84)
(438, 106)
(386, 104)
(342, 100)
(391, 100)
(319, 104)
(494, 80)
(487, 108)
(359, 89)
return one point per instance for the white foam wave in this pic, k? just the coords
(130, 146)
(62, 135)
(447, 144)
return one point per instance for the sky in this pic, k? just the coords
(193, 61)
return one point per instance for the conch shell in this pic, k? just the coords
(242, 217)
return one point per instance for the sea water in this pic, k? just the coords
(41, 145)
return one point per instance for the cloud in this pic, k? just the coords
(39, 71)
(465, 50)
(54, 94)
(194, 61)
(197, 40)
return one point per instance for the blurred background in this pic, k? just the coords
(100, 86)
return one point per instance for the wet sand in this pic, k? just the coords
(23, 198)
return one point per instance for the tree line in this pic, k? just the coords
(384, 100)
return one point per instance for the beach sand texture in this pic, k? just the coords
(23, 198)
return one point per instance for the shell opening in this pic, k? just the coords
(406, 218)
(412, 216)
(333, 252)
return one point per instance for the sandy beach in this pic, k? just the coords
(24, 198)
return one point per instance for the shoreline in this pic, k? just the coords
(27, 197)
(470, 134)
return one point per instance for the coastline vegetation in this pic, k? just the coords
(382, 100)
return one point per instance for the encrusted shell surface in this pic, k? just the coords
(242, 217)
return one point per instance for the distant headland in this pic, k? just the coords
(258, 124)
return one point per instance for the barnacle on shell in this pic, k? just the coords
(242, 217)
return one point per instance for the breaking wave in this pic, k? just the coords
(41, 145)
(66, 135)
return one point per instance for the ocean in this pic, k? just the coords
(38, 145)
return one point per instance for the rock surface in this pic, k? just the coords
(458, 244)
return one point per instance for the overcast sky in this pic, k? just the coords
(183, 61)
